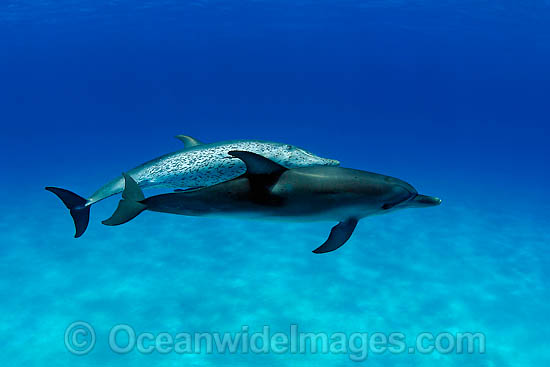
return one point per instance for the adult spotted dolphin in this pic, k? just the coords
(268, 190)
(198, 165)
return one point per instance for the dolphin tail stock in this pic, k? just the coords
(131, 204)
(77, 207)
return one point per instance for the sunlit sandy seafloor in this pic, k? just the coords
(452, 268)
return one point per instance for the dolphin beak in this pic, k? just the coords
(423, 201)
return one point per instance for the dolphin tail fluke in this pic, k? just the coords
(339, 235)
(77, 207)
(131, 204)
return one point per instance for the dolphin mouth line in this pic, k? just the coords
(410, 198)
(413, 196)
(388, 206)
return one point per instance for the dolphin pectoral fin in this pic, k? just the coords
(130, 206)
(257, 164)
(188, 141)
(339, 235)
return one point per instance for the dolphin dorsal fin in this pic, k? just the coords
(188, 141)
(262, 174)
(257, 164)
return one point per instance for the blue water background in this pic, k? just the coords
(451, 96)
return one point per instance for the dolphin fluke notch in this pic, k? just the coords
(339, 235)
(77, 207)
(130, 206)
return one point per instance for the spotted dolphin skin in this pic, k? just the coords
(197, 165)
(270, 191)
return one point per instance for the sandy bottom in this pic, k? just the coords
(447, 269)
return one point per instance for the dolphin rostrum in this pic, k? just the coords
(267, 190)
(198, 165)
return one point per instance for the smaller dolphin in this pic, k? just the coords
(268, 190)
(197, 165)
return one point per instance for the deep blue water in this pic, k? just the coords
(451, 96)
